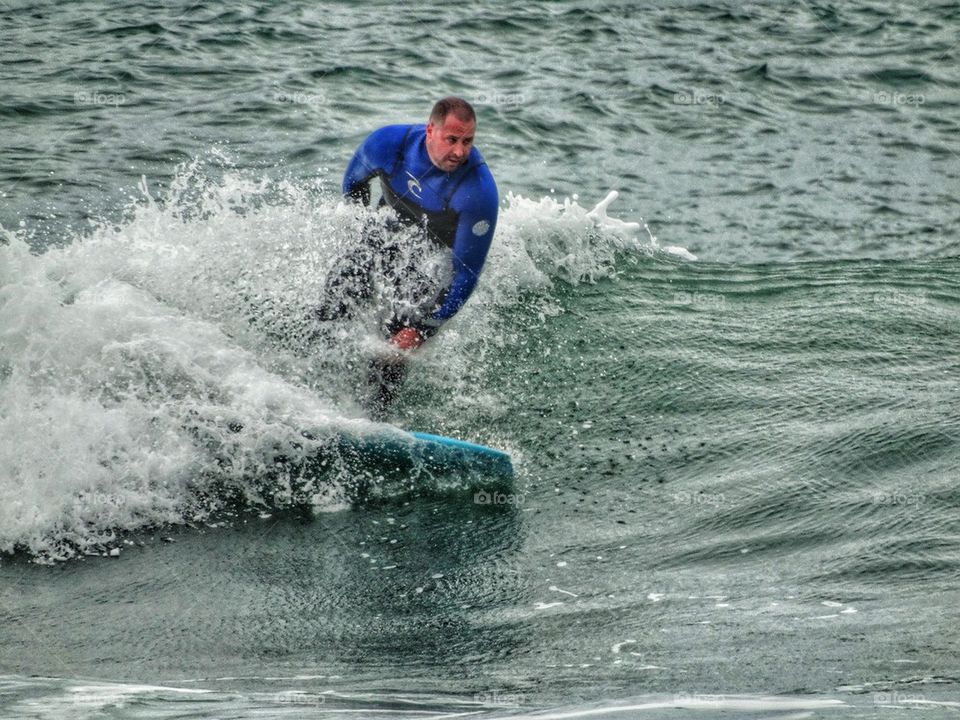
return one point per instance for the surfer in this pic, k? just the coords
(436, 181)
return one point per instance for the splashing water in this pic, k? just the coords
(154, 371)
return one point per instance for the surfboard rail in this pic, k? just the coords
(400, 449)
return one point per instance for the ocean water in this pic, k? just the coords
(719, 332)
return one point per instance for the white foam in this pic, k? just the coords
(680, 252)
(547, 605)
(126, 355)
(700, 702)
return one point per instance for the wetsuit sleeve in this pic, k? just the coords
(478, 204)
(377, 154)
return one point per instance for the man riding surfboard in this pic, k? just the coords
(434, 179)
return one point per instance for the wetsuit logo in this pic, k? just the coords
(480, 228)
(413, 185)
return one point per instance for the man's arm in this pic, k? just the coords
(478, 203)
(376, 154)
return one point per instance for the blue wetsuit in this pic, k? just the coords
(458, 210)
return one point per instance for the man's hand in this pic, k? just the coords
(407, 339)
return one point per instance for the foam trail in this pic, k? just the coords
(156, 369)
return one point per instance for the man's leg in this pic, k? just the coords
(352, 280)
(385, 378)
(349, 282)
(388, 372)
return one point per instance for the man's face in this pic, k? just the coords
(449, 143)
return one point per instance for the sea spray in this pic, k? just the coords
(158, 370)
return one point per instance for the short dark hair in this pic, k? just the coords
(458, 106)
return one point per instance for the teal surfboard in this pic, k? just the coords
(397, 450)
(451, 450)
